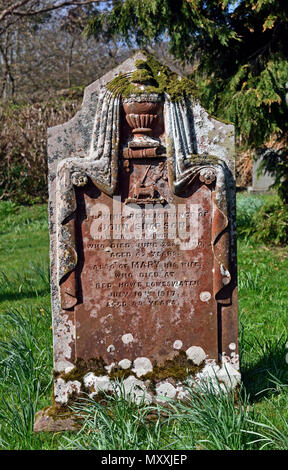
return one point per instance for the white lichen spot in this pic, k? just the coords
(165, 390)
(97, 383)
(93, 313)
(182, 392)
(207, 378)
(141, 366)
(229, 376)
(205, 296)
(127, 338)
(134, 389)
(63, 390)
(177, 344)
(225, 280)
(69, 368)
(232, 346)
(233, 359)
(224, 271)
(110, 367)
(111, 348)
(218, 379)
(125, 364)
(196, 354)
(89, 380)
(64, 337)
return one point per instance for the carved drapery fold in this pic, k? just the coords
(101, 166)
(184, 167)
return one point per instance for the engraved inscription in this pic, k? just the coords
(145, 283)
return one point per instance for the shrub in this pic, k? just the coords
(262, 218)
(271, 223)
(247, 206)
(23, 159)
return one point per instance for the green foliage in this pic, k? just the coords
(144, 20)
(247, 206)
(117, 423)
(25, 354)
(220, 418)
(23, 142)
(271, 223)
(15, 218)
(257, 96)
(262, 219)
(206, 420)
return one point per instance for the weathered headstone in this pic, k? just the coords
(143, 253)
(261, 183)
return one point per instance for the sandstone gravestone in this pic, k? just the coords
(142, 229)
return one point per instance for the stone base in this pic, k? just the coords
(252, 190)
(51, 420)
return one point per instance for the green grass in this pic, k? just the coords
(257, 418)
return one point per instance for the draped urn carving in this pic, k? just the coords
(142, 113)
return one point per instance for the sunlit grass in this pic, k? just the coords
(256, 418)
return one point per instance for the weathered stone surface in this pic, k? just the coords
(263, 182)
(45, 421)
(143, 253)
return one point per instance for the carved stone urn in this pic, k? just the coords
(142, 111)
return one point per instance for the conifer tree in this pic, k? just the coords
(241, 50)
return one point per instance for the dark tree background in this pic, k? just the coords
(239, 52)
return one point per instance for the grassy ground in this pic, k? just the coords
(258, 417)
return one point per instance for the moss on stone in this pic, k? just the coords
(58, 411)
(203, 159)
(95, 365)
(142, 76)
(121, 85)
(176, 369)
(158, 77)
(118, 374)
(225, 121)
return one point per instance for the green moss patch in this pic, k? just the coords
(178, 369)
(203, 160)
(97, 366)
(156, 77)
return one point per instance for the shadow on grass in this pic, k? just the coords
(272, 364)
(11, 296)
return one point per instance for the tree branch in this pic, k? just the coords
(12, 10)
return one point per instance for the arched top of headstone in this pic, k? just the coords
(208, 136)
